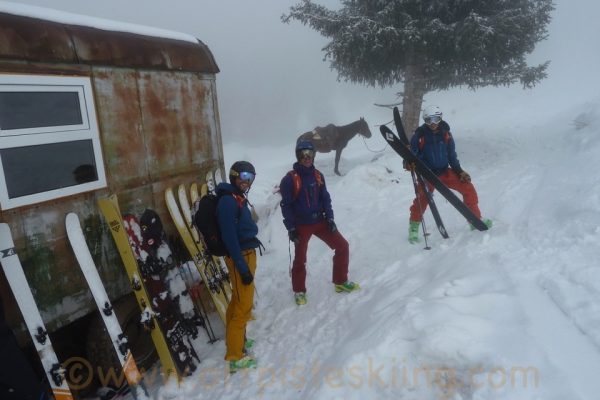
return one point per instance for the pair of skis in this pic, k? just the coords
(211, 270)
(423, 174)
(149, 317)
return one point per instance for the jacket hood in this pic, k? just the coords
(227, 188)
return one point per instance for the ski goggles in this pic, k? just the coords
(433, 119)
(306, 153)
(247, 176)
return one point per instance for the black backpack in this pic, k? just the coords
(205, 220)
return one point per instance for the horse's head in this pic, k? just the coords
(363, 128)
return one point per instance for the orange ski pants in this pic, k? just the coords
(239, 310)
(450, 179)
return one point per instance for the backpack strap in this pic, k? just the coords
(447, 136)
(319, 177)
(421, 142)
(296, 183)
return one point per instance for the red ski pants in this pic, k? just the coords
(450, 179)
(334, 240)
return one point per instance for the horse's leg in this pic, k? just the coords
(338, 154)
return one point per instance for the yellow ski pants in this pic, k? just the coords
(239, 310)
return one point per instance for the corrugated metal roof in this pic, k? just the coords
(37, 40)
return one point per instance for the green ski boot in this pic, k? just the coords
(413, 232)
(347, 287)
(243, 363)
(300, 298)
(248, 344)
(488, 222)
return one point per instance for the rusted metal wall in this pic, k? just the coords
(159, 126)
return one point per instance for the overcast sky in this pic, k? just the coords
(274, 84)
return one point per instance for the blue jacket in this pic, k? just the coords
(313, 203)
(435, 149)
(238, 230)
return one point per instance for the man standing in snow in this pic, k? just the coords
(306, 209)
(433, 144)
(238, 232)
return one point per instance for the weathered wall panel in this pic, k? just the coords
(178, 138)
(120, 124)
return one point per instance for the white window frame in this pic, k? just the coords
(87, 130)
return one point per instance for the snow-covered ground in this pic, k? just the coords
(512, 313)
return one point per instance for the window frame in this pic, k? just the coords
(87, 130)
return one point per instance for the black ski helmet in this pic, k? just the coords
(303, 145)
(237, 168)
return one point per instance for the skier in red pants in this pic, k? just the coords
(306, 209)
(433, 144)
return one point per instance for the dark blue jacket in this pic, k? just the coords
(238, 230)
(313, 203)
(436, 149)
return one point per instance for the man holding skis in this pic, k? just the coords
(306, 209)
(433, 144)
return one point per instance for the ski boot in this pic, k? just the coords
(347, 287)
(300, 298)
(413, 232)
(488, 222)
(243, 363)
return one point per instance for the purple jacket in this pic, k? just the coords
(313, 203)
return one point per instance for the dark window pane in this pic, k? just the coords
(20, 110)
(40, 168)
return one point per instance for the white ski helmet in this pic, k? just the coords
(432, 114)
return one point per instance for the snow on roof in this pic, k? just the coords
(94, 22)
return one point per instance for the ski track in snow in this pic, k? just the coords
(511, 313)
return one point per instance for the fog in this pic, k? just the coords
(274, 84)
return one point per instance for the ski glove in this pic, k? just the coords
(464, 177)
(331, 225)
(293, 235)
(409, 166)
(247, 277)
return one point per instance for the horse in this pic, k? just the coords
(331, 137)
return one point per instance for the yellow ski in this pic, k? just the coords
(112, 215)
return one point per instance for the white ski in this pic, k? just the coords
(210, 182)
(217, 176)
(13, 270)
(186, 211)
(118, 338)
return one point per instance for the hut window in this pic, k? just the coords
(49, 142)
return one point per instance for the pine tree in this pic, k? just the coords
(430, 44)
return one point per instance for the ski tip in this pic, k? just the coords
(71, 218)
(4, 228)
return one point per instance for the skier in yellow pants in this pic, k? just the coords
(238, 232)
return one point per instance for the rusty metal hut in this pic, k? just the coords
(87, 111)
